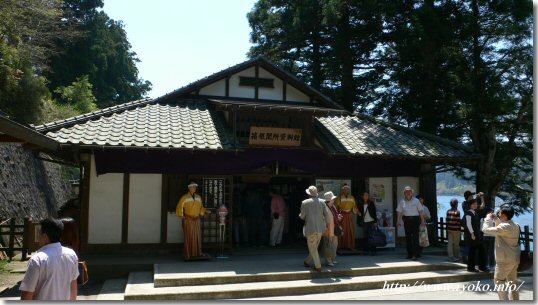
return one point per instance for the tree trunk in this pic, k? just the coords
(346, 57)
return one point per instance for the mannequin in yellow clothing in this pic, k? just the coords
(190, 208)
(345, 203)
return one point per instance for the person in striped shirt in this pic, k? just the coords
(453, 226)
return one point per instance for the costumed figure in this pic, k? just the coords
(346, 206)
(190, 208)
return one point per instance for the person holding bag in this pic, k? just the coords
(333, 231)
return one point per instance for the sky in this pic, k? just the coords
(180, 41)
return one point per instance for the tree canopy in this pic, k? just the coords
(60, 58)
(458, 69)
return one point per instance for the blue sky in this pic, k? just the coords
(181, 41)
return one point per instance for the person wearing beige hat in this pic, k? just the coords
(190, 208)
(316, 217)
(345, 203)
(411, 211)
(330, 238)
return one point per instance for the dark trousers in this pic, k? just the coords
(368, 232)
(476, 255)
(489, 247)
(411, 227)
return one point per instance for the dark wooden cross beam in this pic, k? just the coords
(256, 82)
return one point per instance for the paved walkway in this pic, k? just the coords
(461, 291)
(242, 263)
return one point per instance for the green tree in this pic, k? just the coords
(28, 30)
(103, 53)
(463, 70)
(328, 44)
(78, 95)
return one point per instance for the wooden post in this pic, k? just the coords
(25, 235)
(11, 245)
(527, 239)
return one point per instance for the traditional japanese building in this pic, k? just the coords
(251, 124)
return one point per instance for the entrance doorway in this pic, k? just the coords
(252, 208)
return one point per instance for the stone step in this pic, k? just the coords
(140, 285)
(112, 290)
(168, 275)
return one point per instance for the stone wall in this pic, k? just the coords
(29, 186)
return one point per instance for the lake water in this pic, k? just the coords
(444, 205)
(523, 220)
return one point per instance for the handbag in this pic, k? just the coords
(377, 239)
(338, 230)
(423, 237)
(82, 273)
(525, 258)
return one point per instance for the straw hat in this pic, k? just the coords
(329, 196)
(312, 191)
(192, 184)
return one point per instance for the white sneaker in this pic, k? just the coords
(330, 264)
(335, 262)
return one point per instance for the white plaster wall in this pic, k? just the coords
(242, 91)
(294, 95)
(175, 233)
(400, 184)
(270, 93)
(217, 88)
(105, 208)
(144, 208)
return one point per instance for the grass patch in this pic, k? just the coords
(4, 266)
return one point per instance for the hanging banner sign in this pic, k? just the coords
(275, 136)
(213, 192)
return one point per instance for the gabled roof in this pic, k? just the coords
(267, 65)
(186, 124)
(361, 135)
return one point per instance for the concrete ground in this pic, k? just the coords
(112, 289)
(461, 291)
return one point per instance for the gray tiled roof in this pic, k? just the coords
(361, 136)
(184, 124)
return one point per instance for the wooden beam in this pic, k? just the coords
(125, 214)
(284, 90)
(4, 138)
(227, 92)
(257, 75)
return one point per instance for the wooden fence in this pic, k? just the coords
(526, 239)
(18, 237)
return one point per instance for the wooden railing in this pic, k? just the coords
(441, 227)
(18, 237)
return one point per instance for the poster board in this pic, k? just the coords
(332, 185)
(381, 194)
(213, 192)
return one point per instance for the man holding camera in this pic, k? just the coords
(507, 251)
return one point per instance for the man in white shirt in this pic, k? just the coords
(411, 211)
(52, 272)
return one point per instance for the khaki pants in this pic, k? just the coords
(453, 247)
(506, 275)
(329, 248)
(313, 243)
